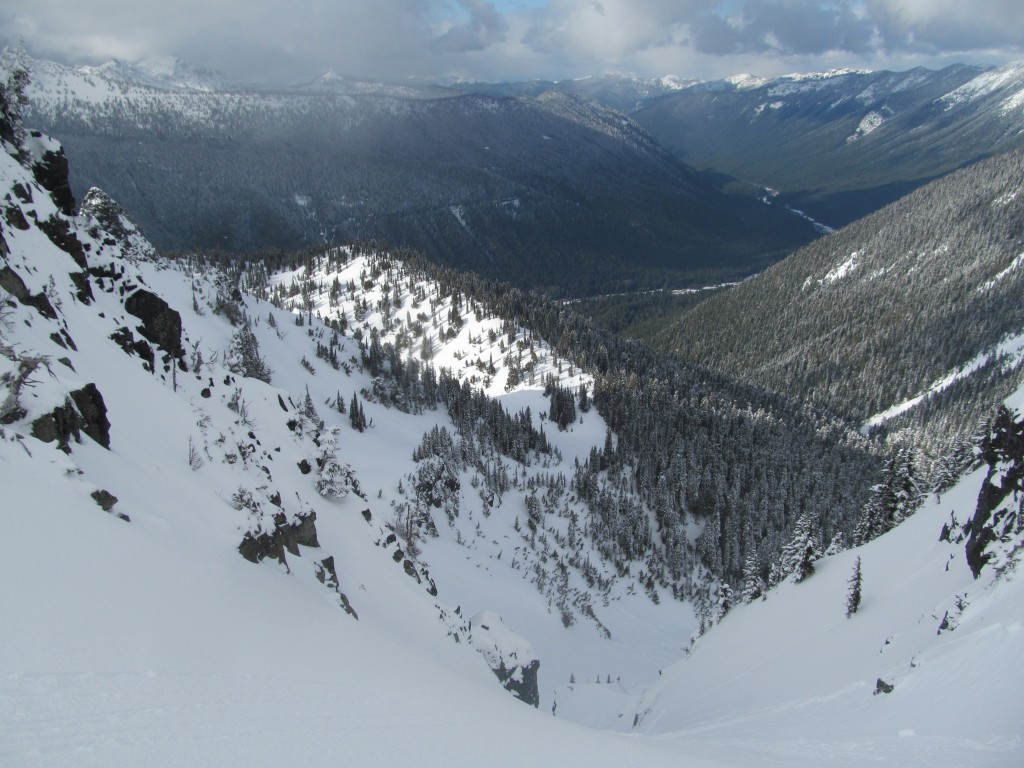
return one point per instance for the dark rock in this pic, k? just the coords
(286, 536)
(61, 235)
(160, 324)
(205, 392)
(94, 413)
(56, 339)
(83, 287)
(51, 171)
(328, 576)
(280, 401)
(60, 425)
(410, 570)
(998, 518)
(127, 341)
(83, 411)
(15, 217)
(883, 687)
(24, 193)
(367, 516)
(66, 362)
(508, 655)
(68, 340)
(11, 282)
(305, 467)
(105, 499)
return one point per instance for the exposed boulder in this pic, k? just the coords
(997, 528)
(83, 411)
(49, 165)
(11, 282)
(94, 413)
(160, 324)
(83, 289)
(509, 656)
(286, 535)
(61, 235)
(328, 576)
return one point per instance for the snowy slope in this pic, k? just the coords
(152, 635)
(142, 635)
(791, 680)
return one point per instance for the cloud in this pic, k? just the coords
(941, 26)
(485, 27)
(280, 41)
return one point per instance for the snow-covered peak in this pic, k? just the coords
(745, 81)
(1008, 79)
(164, 73)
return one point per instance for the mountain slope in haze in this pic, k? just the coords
(554, 192)
(910, 317)
(841, 144)
(622, 93)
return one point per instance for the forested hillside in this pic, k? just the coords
(921, 298)
(698, 468)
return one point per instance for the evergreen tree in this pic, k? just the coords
(355, 414)
(799, 554)
(753, 583)
(853, 590)
(244, 354)
(724, 599)
(336, 479)
(309, 410)
(893, 500)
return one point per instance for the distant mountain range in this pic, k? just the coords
(841, 144)
(557, 192)
(577, 187)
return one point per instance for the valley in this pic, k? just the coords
(404, 494)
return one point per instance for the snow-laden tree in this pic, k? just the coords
(853, 590)
(753, 582)
(244, 356)
(893, 500)
(336, 479)
(799, 554)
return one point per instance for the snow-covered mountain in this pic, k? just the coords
(841, 144)
(555, 192)
(222, 489)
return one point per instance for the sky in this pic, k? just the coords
(290, 41)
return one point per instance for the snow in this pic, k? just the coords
(985, 84)
(746, 81)
(843, 269)
(1016, 264)
(870, 122)
(1010, 351)
(790, 680)
(152, 641)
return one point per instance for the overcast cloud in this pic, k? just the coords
(281, 41)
